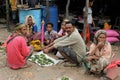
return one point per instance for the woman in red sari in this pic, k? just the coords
(17, 49)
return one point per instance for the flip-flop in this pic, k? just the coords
(70, 65)
(66, 60)
(62, 61)
(26, 66)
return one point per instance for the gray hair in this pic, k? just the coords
(26, 19)
(97, 34)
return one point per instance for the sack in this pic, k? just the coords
(107, 26)
(36, 44)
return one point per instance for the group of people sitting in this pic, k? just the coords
(50, 33)
(68, 42)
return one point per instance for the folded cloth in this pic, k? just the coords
(113, 67)
(113, 73)
(113, 64)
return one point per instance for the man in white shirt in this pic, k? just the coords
(71, 46)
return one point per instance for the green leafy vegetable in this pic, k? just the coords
(41, 59)
(64, 78)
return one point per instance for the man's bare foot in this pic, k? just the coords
(67, 64)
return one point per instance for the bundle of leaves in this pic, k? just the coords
(1, 43)
(64, 78)
(41, 59)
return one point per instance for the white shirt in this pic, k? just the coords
(89, 16)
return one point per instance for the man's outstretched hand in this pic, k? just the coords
(46, 50)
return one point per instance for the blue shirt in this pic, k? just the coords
(34, 28)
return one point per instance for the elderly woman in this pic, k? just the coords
(32, 33)
(17, 49)
(99, 54)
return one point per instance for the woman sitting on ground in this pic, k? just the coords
(32, 33)
(62, 31)
(16, 48)
(99, 54)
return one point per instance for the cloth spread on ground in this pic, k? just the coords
(43, 59)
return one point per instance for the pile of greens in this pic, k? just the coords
(64, 78)
(1, 43)
(41, 59)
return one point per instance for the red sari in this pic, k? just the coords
(17, 51)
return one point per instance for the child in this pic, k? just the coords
(50, 34)
(62, 31)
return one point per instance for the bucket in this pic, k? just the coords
(53, 16)
(36, 13)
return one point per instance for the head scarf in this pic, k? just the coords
(26, 19)
(97, 34)
(19, 26)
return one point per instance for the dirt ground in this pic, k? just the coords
(36, 72)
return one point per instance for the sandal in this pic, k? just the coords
(26, 66)
(66, 60)
(87, 72)
(70, 65)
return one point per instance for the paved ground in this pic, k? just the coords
(36, 72)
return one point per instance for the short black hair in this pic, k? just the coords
(91, 0)
(70, 22)
(49, 23)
